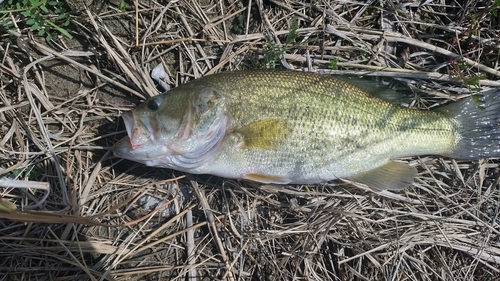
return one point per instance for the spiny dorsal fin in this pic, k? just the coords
(392, 176)
(264, 134)
(379, 89)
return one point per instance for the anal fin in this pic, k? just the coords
(391, 176)
(262, 178)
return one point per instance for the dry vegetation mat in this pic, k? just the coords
(69, 210)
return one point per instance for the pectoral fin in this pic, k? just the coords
(264, 134)
(266, 178)
(392, 176)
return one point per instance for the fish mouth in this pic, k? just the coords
(122, 148)
(138, 142)
(141, 154)
(138, 130)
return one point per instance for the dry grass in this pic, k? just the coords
(109, 219)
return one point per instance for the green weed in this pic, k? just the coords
(333, 64)
(31, 173)
(122, 5)
(472, 82)
(44, 17)
(273, 53)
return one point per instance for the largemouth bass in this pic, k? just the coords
(286, 127)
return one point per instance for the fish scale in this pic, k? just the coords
(296, 127)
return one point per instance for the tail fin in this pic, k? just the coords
(478, 120)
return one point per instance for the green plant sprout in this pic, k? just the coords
(273, 52)
(333, 64)
(122, 5)
(39, 15)
(31, 173)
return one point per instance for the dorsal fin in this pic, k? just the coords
(379, 89)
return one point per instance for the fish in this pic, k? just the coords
(290, 127)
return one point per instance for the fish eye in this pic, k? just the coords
(153, 104)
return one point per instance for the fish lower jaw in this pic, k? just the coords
(159, 155)
(134, 145)
(143, 145)
(140, 139)
(140, 152)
